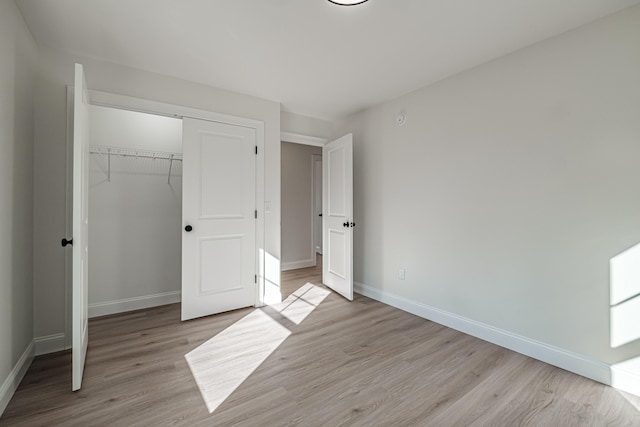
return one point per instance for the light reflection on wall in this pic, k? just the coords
(272, 293)
(626, 376)
(625, 297)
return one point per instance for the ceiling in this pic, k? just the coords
(314, 57)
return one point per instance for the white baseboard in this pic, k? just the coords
(626, 378)
(294, 265)
(12, 381)
(49, 344)
(573, 362)
(135, 303)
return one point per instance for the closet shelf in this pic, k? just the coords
(136, 153)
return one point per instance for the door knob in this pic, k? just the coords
(188, 228)
(346, 224)
(353, 224)
(66, 242)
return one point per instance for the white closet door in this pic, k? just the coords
(80, 278)
(219, 268)
(338, 223)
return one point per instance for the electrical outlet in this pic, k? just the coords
(401, 273)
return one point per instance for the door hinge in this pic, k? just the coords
(255, 278)
(256, 149)
(255, 213)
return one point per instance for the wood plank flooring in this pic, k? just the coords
(293, 279)
(358, 363)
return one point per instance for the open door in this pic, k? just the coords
(317, 205)
(80, 227)
(337, 215)
(219, 255)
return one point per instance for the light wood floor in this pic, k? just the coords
(348, 363)
(292, 279)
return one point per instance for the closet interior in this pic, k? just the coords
(135, 210)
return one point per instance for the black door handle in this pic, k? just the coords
(320, 215)
(346, 224)
(188, 228)
(66, 242)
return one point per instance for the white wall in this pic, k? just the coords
(18, 68)
(56, 73)
(135, 224)
(131, 129)
(297, 205)
(510, 188)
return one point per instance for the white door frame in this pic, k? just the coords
(315, 158)
(297, 138)
(123, 102)
(313, 141)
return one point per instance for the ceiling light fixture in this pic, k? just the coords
(347, 2)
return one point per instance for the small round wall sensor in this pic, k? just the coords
(401, 119)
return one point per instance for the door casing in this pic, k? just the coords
(123, 102)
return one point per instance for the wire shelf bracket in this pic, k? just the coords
(135, 153)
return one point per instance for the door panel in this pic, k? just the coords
(219, 203)
(223, 176)
(337, 191)
(226, 274)
(80, 266)
(336, 184)
(337, 249)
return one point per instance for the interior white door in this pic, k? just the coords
(337, 215)
(219, 255)
(80, 227)
(317, 204)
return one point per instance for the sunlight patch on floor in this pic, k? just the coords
(222, 363)
(633, 400)
(301, 303)
(225, 361)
